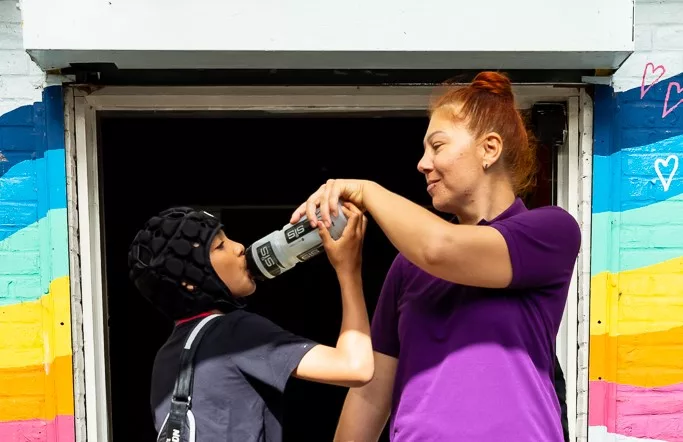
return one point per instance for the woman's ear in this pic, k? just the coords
(493, 148)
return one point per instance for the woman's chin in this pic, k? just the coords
(439, 203)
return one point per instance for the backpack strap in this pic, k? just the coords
(181, 401)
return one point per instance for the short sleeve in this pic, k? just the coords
(384, 327)
(267, 352)
(543, 244)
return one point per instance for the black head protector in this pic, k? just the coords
(169, 263)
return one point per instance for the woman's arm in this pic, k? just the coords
(366, 409)
(541, 245)
(463, 254)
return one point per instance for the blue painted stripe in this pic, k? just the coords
(29, 190)
(637, 238)
(28, 131)
(33, 173)
(632, 172)
(639, 122)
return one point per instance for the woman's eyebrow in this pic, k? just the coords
(432, 135)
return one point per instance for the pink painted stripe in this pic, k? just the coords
(61, 429)
(644, 412)
(602, 404)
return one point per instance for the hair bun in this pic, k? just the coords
(494, 83)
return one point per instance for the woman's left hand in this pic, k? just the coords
(327, 197)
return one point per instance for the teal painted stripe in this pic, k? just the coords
(638, 237)
(32, 257)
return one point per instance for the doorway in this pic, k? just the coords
(251, 171)
(118, 184)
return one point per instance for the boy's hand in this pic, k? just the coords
(345, 254)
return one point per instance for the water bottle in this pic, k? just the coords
(282, 249)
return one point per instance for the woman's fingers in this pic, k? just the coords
(312, 205)
(325, 203)
(298, 213)
(326, 198)
(333, 198)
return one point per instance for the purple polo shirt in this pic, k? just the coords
(477, 364)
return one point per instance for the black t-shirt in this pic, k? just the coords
(242, 366)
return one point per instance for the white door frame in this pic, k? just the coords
(83, 103)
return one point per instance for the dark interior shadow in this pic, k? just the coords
(254, 171)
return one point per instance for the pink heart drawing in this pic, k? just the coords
(667, 110)
(643, 89)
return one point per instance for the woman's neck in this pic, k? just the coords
(487, 202)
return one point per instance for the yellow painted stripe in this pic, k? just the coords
(35, 333)
(37, 392)
(645, 300)
(644, 360)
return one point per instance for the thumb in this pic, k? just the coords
(324, 233)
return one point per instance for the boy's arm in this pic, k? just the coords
(350, 363)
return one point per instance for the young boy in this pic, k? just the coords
(186, 266)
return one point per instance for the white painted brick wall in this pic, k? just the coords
(21, 81)
(658, 39)
(584, 275)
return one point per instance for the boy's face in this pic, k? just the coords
(229, 262)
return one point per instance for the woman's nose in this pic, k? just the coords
(425, 163)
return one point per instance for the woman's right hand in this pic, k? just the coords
(345, 253)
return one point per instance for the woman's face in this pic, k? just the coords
(451, 163)
(228, 260)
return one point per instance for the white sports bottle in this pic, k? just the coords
(282, 249)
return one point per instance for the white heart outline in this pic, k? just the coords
(665, 162)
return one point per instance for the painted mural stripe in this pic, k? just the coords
(36, 332)
(647, 236)
(638, 120)
(35, 128)
(51, 386)
(27, 201)
(635, 171)
(59, 429)
(655, 413)
(21, 282)
(600, 434)
(626, 303)
(644, 360)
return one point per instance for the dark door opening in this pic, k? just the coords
(254, 170)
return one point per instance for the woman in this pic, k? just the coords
(465, 325)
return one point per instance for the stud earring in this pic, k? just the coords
(486, 166)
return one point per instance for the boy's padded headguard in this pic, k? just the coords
(171, 249)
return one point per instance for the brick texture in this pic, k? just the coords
(637, 350)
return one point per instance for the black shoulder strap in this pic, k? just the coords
(181, 401)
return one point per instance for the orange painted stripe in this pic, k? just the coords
(34, 393)
(643, 360)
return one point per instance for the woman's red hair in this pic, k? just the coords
(486, 105)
